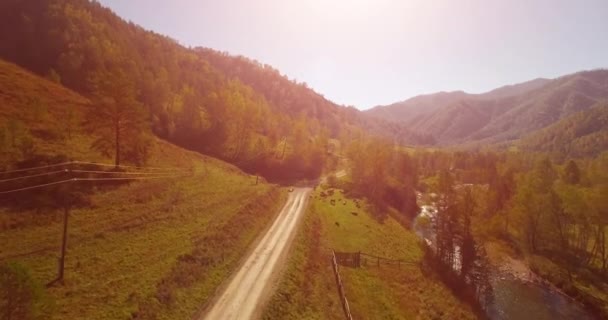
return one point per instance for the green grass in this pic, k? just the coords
(155, 248)
(308, 290)
(130, 241)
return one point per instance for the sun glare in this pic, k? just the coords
(344, 9)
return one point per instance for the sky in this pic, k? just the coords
(374, 52)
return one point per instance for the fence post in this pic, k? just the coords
(343, 299)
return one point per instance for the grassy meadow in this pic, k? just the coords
(308, 289)
(151, 249)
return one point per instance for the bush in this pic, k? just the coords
(20, 296)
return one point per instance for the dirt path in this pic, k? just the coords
(247, 290)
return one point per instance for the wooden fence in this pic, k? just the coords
(343, 299)
(358, 259)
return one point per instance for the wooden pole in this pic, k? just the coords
(64, 242)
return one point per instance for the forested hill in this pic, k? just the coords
(502, 115)
(246, 114)
(410, 110)
(290, 97)
(583, 134)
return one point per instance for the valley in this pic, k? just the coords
(147, 175)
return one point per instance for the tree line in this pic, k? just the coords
(554, 213)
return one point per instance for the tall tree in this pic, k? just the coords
(117, 118)
(467, 243)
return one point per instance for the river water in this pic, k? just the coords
(515, 298)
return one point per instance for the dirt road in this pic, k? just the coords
(244, 295)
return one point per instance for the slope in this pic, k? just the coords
(150, 249)
(196, 99)
(289, 97)
(514, 89)
(409, 110)
(583, 134)
(507, 113)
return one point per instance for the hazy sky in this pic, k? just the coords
(370, 52)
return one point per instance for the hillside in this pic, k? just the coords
(501, 115)
(410, 110)
(514, 89)
(292, 98)
(227, 107)
(156, 248)
(89, 49)
(583, 134)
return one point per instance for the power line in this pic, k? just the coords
(37, 186)
(36, 168)
(135, 178)
(92, 163)
(126, 166)
(34, 175)
(90, 179)
(118, 172)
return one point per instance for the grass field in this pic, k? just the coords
(308, 289)
(154, 249)
(158, 246)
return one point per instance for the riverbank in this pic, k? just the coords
(511, 266)
(508, 264)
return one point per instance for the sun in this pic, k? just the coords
(343, 9)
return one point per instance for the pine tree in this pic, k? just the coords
(117, 119)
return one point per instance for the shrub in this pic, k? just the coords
(20, 296)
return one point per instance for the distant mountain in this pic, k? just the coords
(501, 115)
(582, 134)
(514, 89)
(412, 109)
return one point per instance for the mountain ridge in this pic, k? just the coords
(501, 115)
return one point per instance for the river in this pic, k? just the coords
(514, 297)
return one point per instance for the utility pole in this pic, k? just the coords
(64, 242)
(67, 204)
